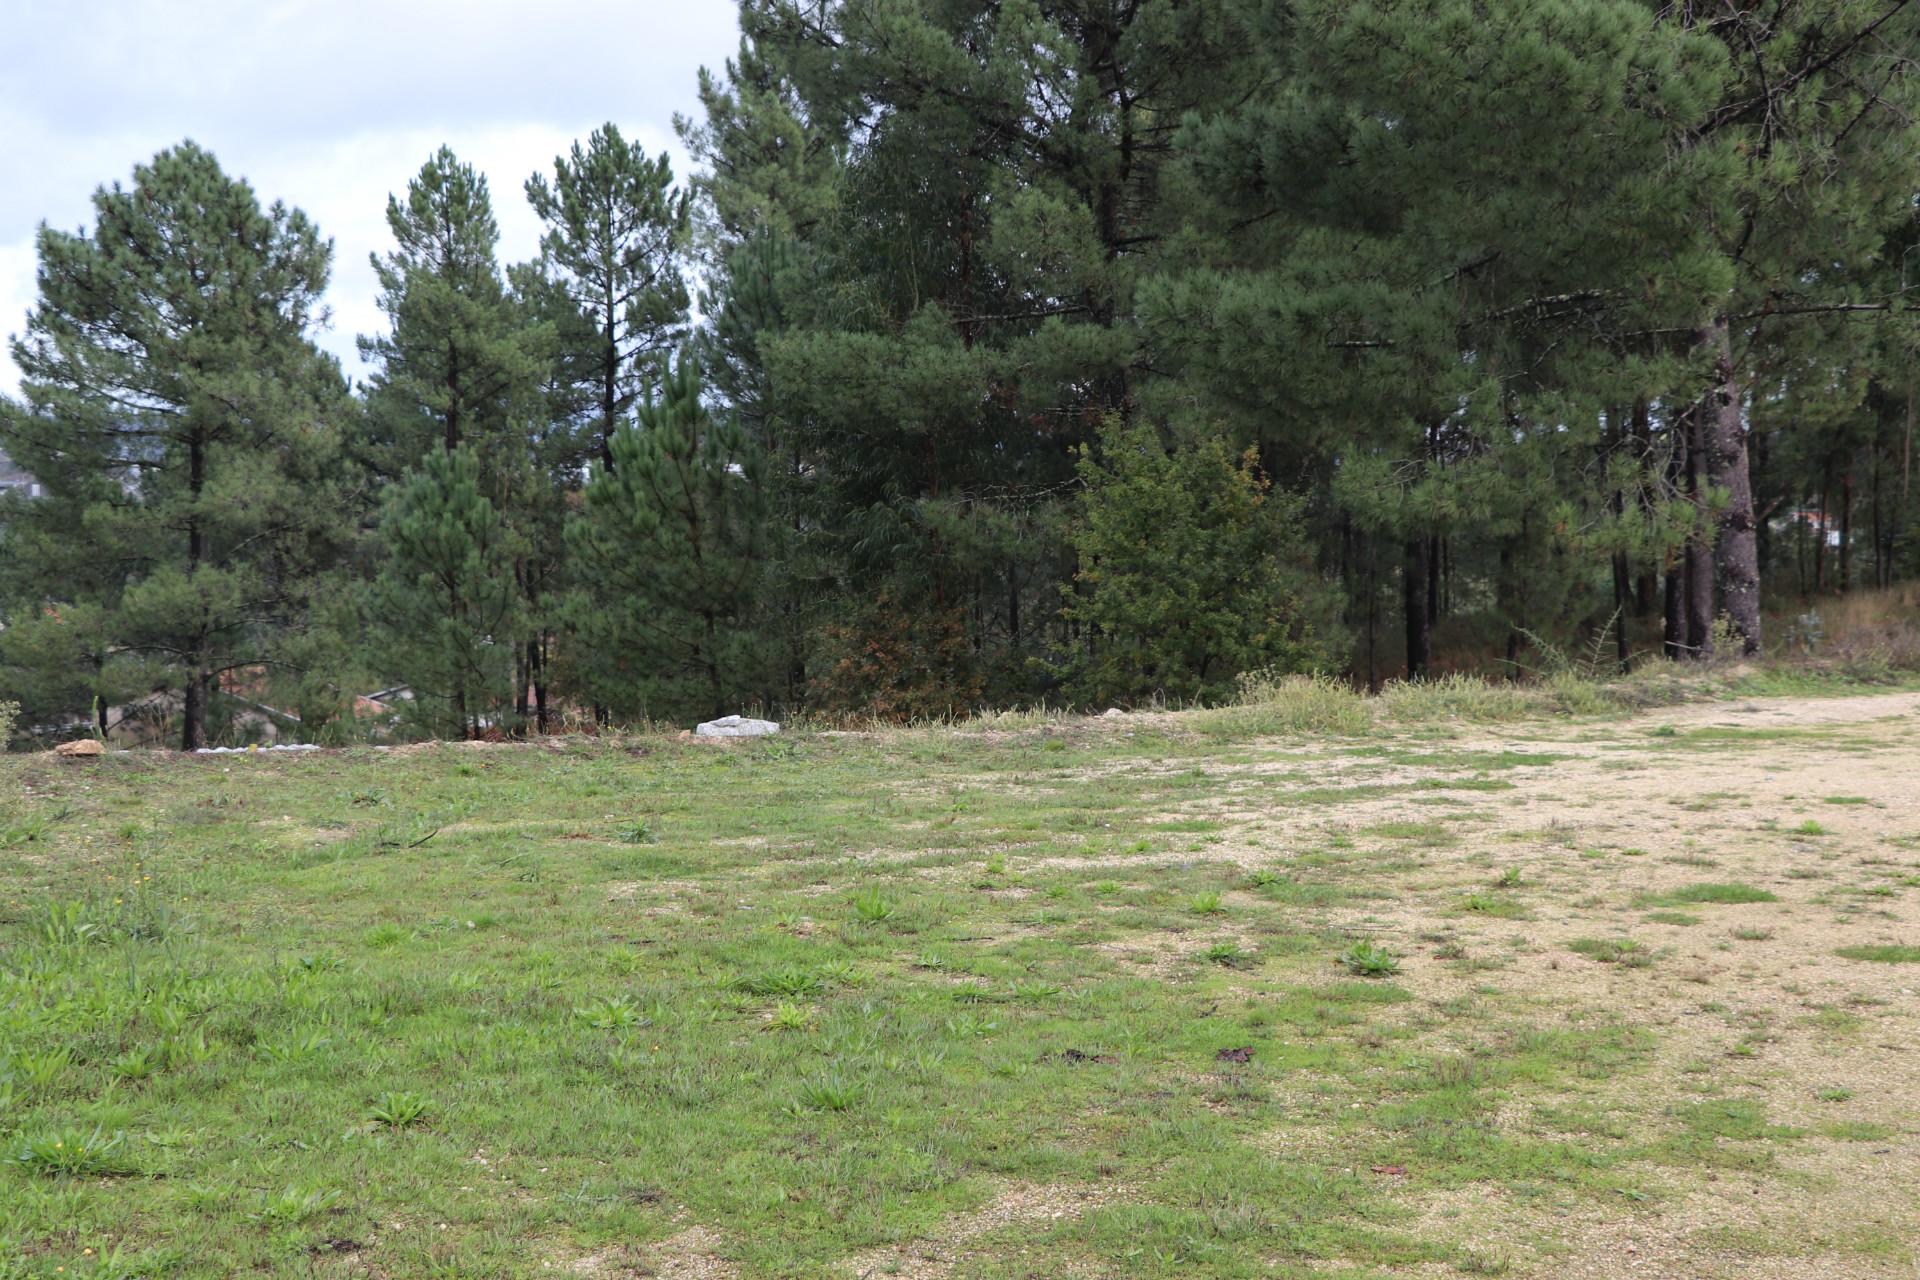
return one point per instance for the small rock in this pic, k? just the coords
(1112, 713)
(80, 749)
(735, 727)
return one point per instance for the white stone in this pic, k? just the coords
(736, 727)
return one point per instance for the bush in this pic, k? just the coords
(1460, 697)
(1274, 702)
(899, 660)
(1193, 569)
(9, 713)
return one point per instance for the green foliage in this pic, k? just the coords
(614, 231)
(1368, 959)
(1886, 953)
(398, 1109)
(75, 1153)
(667, 549)
(460, 365)
(1702, 894)
(1193, 571)
(1624, 952)
(446, 597)
(871, 906)
(186, 431)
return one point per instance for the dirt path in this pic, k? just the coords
(1813, 801)
(1583, 869)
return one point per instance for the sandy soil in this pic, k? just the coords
(1748, 1001)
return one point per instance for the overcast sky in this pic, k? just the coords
(328, 105)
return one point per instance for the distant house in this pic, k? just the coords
(12, 477)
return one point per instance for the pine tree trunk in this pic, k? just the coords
(1419, 619)
(540, 684)
(1509, 595)
(1436, 563)
(1622, 597)
(193, 712)
(522, 678)
(1699, 582)
(1622, 571)
(1647, 579)
(1673, 634)
(1698, 556)
(1373, 624)
(1736, 553)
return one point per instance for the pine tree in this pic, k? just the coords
(670, 542)
(461, 364)
(970, 190)
(446, 606)
(615, 237)
(175, 403)
(1407, 282)
(464, 367)
(1797, 178)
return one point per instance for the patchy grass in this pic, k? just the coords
(564, 1008)
(1707, 894)
(1881, 954)
(1620, 951)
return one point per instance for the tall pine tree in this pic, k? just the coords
(175, 402)
(615, 238)
(670, 543)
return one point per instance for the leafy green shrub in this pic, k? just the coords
(1228, 954)
(291, 1204)
(788, 981)
(787, 1016)
(398, 1109)
(1367, 959)
(1193, 570)
(829, 1092)
(1493, 904)
(872, 906)
(9, 716)
(72, 1153)
(611, 1013)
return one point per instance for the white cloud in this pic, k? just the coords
(330, 106)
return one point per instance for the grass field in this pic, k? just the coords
(1147, 996)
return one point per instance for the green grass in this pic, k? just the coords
(1882, 954)
(489, 1012)
(1621, 951)
(1709, 894)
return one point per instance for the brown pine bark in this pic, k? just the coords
(1736, 550)
(1419, 618)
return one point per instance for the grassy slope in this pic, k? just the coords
(815, 995)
